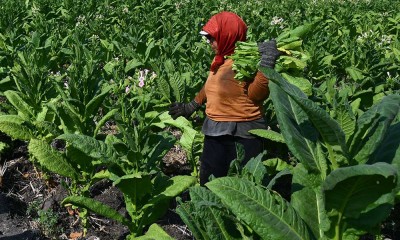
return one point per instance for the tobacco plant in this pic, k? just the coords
(146, 190)
(133, 161)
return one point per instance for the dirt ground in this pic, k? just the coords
(30, 203)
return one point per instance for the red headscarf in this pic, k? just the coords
(226, 28)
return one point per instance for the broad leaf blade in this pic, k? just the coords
(351, 193)
(308, 200)
(187, 212)
(328, 128)
(213, 215)
(297, 130)
(389, 150)
(51, 159)
(254, 170)
(268, 214)
(90, 146)
(156, 207)
(11, 118)
(96, 207)
(268, 134)
(24, 110)
(346, 120)
(155, 232)
(372, 127)
(16, 130)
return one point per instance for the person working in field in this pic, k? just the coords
(232, 107)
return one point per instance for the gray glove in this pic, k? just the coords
(182, 109)
(269, 53)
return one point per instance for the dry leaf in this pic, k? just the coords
(75, 235)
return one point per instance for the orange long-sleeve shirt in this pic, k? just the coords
(229, 100)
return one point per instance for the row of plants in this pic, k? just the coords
(69, 69)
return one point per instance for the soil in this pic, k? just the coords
(30, 200)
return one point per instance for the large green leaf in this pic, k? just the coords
(359, 196)
(16, 130)
(11, 118)
(268, 134)
(93, 106)
(187, 212)
(254, 170)
(300, 82)
(172, 187)
(134, 186)
(328, 129)
(346, 119)
(24, 109)
(69, 121)
(80, 160)
(90, 146)
(189, 134)
(267, 213)
(372, 127)
(308, 201)
(389, 150)
(212, 215)
(155, 232)
(299, 134)
(51, 159)
(96, 207)
(356, 74)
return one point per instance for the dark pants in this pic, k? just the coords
(219, 152)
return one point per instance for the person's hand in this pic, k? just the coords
(182, 109)
(269, 53)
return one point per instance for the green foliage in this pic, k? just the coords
(155, 232)
(51, 159)
(133, 169)
(268, 214)
(78, 67)
(191, 140)
(320, 145)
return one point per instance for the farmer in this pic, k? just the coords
(233, 107)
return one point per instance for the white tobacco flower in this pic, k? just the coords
(95, 37)
(276, 21)
(127, 89)
(386, 39)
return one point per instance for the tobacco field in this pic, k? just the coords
(89, 151)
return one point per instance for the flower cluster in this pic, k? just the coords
(143, 76)
(80, 20)
(277, 21)
(365, 36)
(385, 40)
